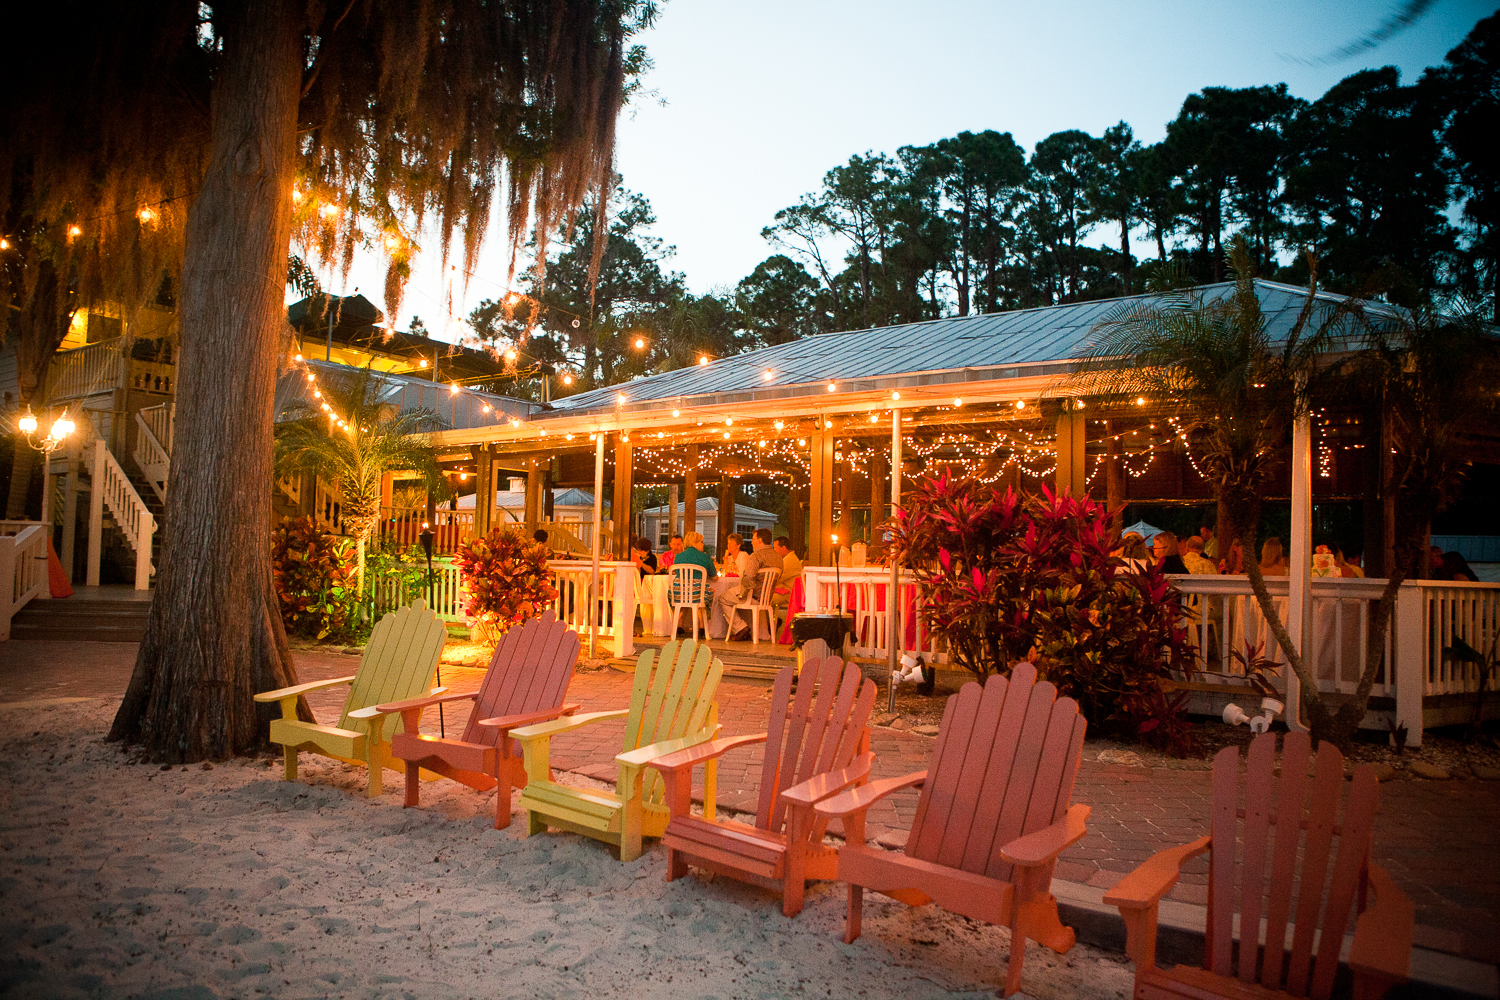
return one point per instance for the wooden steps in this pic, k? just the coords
(71, 619)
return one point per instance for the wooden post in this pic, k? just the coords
(484, 488)
(726, 516)
(1299, 588)
(594, 595)
(799, 518)
(1072, 472)
(673, 527)
(894, 631)
(690, 492)
(1114, 482)
(846, 495)
(96, 514)
(70, 510)
(620, 510)
(877, 490)
(534, 473)
(821, 472)
(387, 502)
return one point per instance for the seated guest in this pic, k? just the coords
(1273, 561)
(1195, 560)
(1235, 561)
(1349, 568)
(642, 556)
(741, 589)
(791, 569)
(735, 556)
(675, 545)
(1210, 542)
(539, 536)
(1457, 568)
(1164, 550)
(693, 555)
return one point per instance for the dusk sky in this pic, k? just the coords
(761, 99)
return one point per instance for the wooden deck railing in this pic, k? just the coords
(153, 443)
(23, 568)
(86, 370)
(110, 487)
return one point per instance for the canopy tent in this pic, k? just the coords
(1146, 531)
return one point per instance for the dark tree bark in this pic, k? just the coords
(203, 655)
(40, 327)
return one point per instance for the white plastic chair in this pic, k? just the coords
(689, 582)
(765, 587)
(869, 624)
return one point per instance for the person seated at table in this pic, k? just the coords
(1195, 561)
(675, 545)
(692, 555)
(1235, 561)
(642, 556)
(737, 590)
(1164, 550)
(1210, 543)
(1349, 568)
(791, 570)
(1457, 568)
(735, 556)
(1273, 561)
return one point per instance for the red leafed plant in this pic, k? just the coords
(313, 579)
(1007, 578)
(506, 581)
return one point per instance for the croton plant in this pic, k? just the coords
(506, 581)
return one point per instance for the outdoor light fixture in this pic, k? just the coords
(515, 423)
(75, 231)
(874, 418)
(779, 425)
(567, 380)
(676, 413)
(729, 422)
(896, 395)
(510, 355)
(830, 386)
(422, 363)
(311, 377)
(453, 388)
(296, 357)
(769, 375)
(726, 435)
(703, 359)
(486, 407)
(463, 477)
(62, 428)
(1140, 401)
(1020, 404)
(640, 342)
(958, 402)
(802, 442)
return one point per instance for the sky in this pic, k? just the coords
(748, 105)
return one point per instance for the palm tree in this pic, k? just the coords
(354, 438)
(1232, 390)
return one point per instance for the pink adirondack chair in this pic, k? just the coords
(813, 750)
(525, 684)
(1272, 822)
(992, 818)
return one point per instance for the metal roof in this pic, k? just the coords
(955, 349)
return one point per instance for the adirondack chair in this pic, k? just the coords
(399, 661)
(1238, 884)
(525, 684)
(671, 708)
(813, 750)
(992, 818)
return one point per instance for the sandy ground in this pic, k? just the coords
(122, 880)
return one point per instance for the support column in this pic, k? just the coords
(1299, 610)
(846, 496)
(484, 488)
(877, 492)
(96, 514)
(674, 522)
(1072, 471)
(620, 510)
(594, 543)
(820, 499)
(70, 511)
(895, 630)
(726, 516)
(1114, 482)
(535, 472)
(798, 514)
(690, 492)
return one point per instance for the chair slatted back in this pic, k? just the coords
(765, 585)
(689, 584)
(808, 737)
(529, 672)
(670, 698)
(1303, 820)
(1003, 766)
(399, 662)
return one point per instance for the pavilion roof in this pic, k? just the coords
(952, 350)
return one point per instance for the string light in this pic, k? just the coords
(703, 360)
(676, 413)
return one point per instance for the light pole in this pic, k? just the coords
(62, 428)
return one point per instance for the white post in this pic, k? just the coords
(594, 544)
(894, 633)
(624, 609)
(96, 513)
(70, 511)
(46, 517)
(1299, 587)
(1409, 667)
(143, 551)
(9, 553)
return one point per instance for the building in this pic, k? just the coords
(655, 524)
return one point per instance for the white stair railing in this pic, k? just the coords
(23, 568)
(110, 487)
(151, 452)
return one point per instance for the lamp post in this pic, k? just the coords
(62, 428)
(426, 539)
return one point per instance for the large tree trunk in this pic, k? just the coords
(215, 636)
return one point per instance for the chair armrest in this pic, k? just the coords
(1044, 845)
(687, 758)
(644, 755)
(543, 730)
(1146, 885)
(300, 689)
(401, 706)
(513, 722)
(857, 800)
(1383, 933)
(376, 711)
(820, 787)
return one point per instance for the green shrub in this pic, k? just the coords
(314, 580)
(506, 581)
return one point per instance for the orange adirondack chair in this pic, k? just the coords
(525, 684)
(813, 750)
(1239, 884)
(992, 818)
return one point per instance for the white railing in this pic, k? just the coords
(616, 605)
(446, 599)
(23, 568)
(85, 371)
(1468, 610)
(328, 507)
(864, 599)
(291, 486)
(161, 419)
(151, 453)
(110, 487)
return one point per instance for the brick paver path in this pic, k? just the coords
(1440, 840)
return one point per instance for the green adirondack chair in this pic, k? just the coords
(671, 708)
(399, 662)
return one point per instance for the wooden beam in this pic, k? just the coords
(820, 498)
(1114, 481)
(536, 471)
(1072, 469)
(878, 488)
(690, 492)
(726, 516)
(620, 510)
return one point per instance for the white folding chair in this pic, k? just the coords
(765, 587)
(689, 590)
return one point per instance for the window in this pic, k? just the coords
(745, 530)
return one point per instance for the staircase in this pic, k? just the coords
(77, 620)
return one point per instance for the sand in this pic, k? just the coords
(125, 880)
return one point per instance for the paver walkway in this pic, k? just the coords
(1440, 840)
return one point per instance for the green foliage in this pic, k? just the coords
(1005, 578)
(506, 581)
(394, 578)
(314, 580)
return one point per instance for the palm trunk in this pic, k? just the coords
(215, 637)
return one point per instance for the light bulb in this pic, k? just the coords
(392, 242)
(422, 363)
(802, 442)
(729, 422)
(27, 423)
(874, 418)
(75, 231)
(1020, 404)
(895, 395)
(146, 215)
(486, 407)
(311, 377)
(703, 359)
(830, 386)
(640, 342)
(567, 380)
(620, 398)
(958, 402)
(779, 425)
(453, 389)
(463, 476)
(297, 357)
(676, 413)
(769, 375)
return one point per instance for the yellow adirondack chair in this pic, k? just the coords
(399, 661)
(671, 708)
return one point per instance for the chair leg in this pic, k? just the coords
(502, 793)
(289, 758)
(855, 911)
(413, 784)
(677, 866)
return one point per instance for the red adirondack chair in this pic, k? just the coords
(525, 684)
(1271, 822)
(992, 818)
(813, 750)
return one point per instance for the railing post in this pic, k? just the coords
(8, 555)
(624, 609)
(96, 513)
(1409, 665)
(143, 551)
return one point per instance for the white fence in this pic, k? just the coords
(153, 446)
(864, 598)
(23, 568)
(85, 371)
